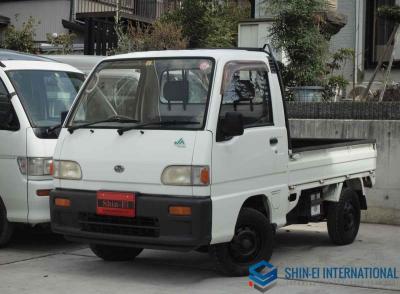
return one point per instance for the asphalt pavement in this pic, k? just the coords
(40, 262)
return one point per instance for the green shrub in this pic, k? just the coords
(21, 39)
(296, 30)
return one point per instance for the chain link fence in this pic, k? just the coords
(344, 110)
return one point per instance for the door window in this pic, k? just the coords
(246, 90)
(8, 118)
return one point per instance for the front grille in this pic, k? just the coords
(138, 226)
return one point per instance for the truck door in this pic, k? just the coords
(256, 162)
(13, 184)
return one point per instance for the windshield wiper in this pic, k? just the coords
(50, 130)
(158, 123)
(117, 118)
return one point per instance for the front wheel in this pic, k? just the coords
(6, 228)
(115, 253)
(344, 218)
(252, 243)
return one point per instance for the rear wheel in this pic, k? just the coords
(252, 243)
(115, 253)
(344, 218)
(6, 228)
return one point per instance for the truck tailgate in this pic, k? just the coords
(331, 162)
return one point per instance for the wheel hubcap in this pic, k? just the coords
(245, 245)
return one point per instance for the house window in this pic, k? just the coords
(378, 31)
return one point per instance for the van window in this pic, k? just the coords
(8, 118)
(158, 93)
(246, 90)
(3, 90)
(198, 89)
(45, 94)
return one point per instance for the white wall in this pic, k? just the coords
(346, 38)
(50, 13)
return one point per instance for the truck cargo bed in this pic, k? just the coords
(317, 161)
(309, 144)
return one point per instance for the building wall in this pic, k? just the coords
(384, 199)
(50, 13)
(346, 38)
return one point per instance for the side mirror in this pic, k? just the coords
(232, 124)
(63, 116)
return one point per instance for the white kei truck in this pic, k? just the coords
(197, 155)
(34, 92)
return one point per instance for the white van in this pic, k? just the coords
(34, 92)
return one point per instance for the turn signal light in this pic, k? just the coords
(180, 210)
(51, 168)
(62, 202)
(43, 192)
(205, 176)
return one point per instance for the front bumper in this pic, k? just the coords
(152, 227)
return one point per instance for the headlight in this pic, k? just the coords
(186, 175)
(68, 170)
(35, 166)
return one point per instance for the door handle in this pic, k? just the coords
(273, 141)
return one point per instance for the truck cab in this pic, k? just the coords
(34, 92)
(196, 154)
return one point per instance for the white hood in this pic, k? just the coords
(142, 154)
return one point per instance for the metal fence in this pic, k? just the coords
(147, 9)
(344, 110)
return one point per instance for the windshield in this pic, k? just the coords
(45, 94)
(147, 93)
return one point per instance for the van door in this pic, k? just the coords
(256, 162)
(13, 183)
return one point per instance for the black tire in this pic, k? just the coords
(344, 218)
(115, 253)
(252, 243)
(6, 228)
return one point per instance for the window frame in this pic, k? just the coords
(372, 33)
(254, 64)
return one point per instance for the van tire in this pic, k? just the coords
(344, 218)
(252, 243)
(115, 253)
(6, 228)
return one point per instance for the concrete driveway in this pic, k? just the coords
(44, 263)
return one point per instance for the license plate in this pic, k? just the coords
(116, 204)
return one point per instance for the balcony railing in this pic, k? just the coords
(135, 9)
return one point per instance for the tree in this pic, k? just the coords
(191, 17)
(222, 25)
(296, 30)
(208, 23)
(21, 39)
(159, 36)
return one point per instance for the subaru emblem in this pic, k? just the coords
(119, 169)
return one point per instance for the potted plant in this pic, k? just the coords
(296, 30)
